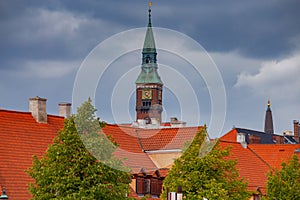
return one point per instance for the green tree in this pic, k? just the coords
(69, 171)
(88, 127)
(285, 183)
(210, 176)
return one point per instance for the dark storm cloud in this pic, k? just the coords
(49, 30)
(254, 28)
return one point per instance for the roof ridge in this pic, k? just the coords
(168, 128)
(249, 129)
(275, 144)
(26, 112)
(139, 140)
(118, 126)
(57, 116)
(226, 141)
(259, 157)
(14, 111)
(152, 129)
(262, 132)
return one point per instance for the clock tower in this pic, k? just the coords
(148, 84)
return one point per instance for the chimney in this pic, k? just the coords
(241, 138)
(64, 110)
(37, 107)
(296, 130)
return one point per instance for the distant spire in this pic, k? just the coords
(268, 120)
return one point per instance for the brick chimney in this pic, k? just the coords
(296, 130)
(64, 109)
(37, 107)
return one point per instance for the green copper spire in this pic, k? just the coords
(149, 43)
(149, 63)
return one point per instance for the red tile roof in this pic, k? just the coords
(250, 166)
(134, 142)
(274, 155)
(163, 172)
(124, 136)
(255, 161)
(21, 137)
(135, 161)
(167, 138)
(138, 140)
(230, 136)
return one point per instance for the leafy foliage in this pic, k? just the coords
(285, 183)
(86, 120)
(69, 171)
(88, 127)
(210, 176)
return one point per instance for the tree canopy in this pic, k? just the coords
(210, 176)
(285, 183)
(69, 171)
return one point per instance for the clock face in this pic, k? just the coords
(146, 94)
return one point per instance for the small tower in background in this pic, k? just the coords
(268, 120)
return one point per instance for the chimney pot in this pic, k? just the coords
(64, 109)
(37, 107)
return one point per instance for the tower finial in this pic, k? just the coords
(150, 4)
(149, 11)
(269, 103)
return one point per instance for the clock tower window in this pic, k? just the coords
(146, 104)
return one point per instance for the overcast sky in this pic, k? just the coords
(254, 44)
